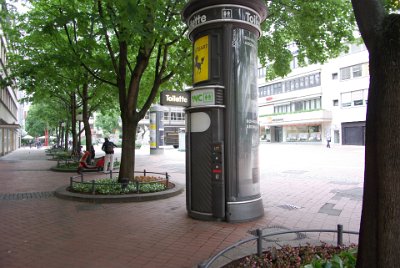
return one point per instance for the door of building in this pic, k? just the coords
(278, 134)
(353, 133)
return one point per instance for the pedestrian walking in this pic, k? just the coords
(328, 145)
(328, 141)
(108, 147)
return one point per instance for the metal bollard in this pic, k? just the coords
(259, 242)
(201, 265)
(70, 182)
(339, 235)
(93, 186)
(124, 183)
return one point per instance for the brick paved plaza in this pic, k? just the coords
(303, 186)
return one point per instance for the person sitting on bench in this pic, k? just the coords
(82, 163)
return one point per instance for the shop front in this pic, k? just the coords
(300, 127)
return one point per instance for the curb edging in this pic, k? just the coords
(62, 193)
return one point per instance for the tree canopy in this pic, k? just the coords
(108, 122)
(42, 116)
(312, 31)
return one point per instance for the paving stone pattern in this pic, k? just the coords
(26, 196)
(40, 230)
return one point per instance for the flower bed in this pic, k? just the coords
(72, 166)
(306, 256)
(113, 187)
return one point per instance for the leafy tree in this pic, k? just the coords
(319, 30)
(380, 232)
(41, 116)
(134, 54)
(108, 122)
(46, 68)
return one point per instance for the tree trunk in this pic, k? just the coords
(66, 136)
(127, 168)
(380, 233)
(73, 124)
(86, 116)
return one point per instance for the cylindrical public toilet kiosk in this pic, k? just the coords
(222, 138)
(156, 130)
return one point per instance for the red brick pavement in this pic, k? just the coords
(50, 232)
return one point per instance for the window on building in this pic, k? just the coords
(260, 92)
(346, 99)
(354, 48)
(334, 76)
(357, 71)
(312, 81)
(299, 106)
(306, 81)
(281, 109)
(166, 115)
(287, 86)
(277, 88)
(345, 73)
(303, 133)
(317, 79)
(294, 63)
(351, 72)
(335, 102)
(262, 71)
(357, 97)
(303, 82)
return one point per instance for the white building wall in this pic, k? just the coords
(336, 109)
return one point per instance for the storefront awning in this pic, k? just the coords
(305, 118)
(13, 126)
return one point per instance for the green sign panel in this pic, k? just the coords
(202, 97)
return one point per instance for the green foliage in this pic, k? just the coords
(308, 256)
(151, 187)
(109, 122)
(68, 165)
(104, 186)
(319, 30)
(392, 5)
(345, 259)
(125, 51)
(111, 186)
(42, 116)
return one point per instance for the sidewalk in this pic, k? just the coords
(40, 230)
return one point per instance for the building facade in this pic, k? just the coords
(10, 133)
(317, 102)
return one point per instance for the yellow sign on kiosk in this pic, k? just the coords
(200, 60)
